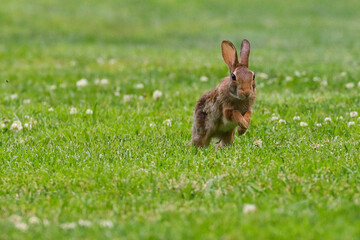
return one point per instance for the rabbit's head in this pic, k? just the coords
(242, 80)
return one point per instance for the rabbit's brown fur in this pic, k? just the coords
(219, 111)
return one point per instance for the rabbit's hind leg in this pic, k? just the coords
(226, 139)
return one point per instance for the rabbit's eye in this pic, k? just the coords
(233, 77)
(254, 77)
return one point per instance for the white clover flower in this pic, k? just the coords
(324, 83)
(204, 79)
(303, 124)
(106, 223)
(84, 223)
(97, 81)
(139, 86)
(316, 79)
(274, 118)
(16, 126)
(288, 78)
(21, 226)
(350, 123)
(34, 220)
(349, 85)
(89, 111)
(249, 208)
(152, 125)
(318, 124)
(282, 121)
(167, 122)
(112, 61)
(343, 74)
(104, 81)
(82, 83)
(141, 98)
(73, 110)
(262, 75)
(116, 94)
(358, 119)
(341, 118)
(296, 118)
(52, 87)
(63, 85)
(27, 101)
(14, 96)
(127, 98)
(70, 225)
(26, 116)
(28, 126)
(297, 73)
(353, 114)
(51, 109)
(257, 143)
(157, 94)
(327, 119)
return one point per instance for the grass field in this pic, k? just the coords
(126, 168)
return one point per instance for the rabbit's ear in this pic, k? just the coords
(245, 52)
(229, 54)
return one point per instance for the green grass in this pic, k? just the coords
(148, 182)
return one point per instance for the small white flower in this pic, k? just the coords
(84, 223)
(116, 94)
(341, 118)
(274, 118)
(248, 208)
(112, 61)
(282, 121)
(358, 119)
(296, 118)
(324, 83)
(89, 111)
(204, 79)
(141, 98)
(73, 110)
(21, 226)
(167, 122)
(127, 98)
(297, 73)
(82, 83)
(350, 123)
(97, 81)
(261, 85)
(349, 85)
(288, 78)
(28, 126)
(303, 124)
(262, 75)
(26, 116)
(104, 81)
(139, 86)
(100, 60)
(13, 96)
(152, 125)
(34, 220)
(257, 143)
(63, 85)
(106, 223)
(70, 225)
(353, 114)
(16, 126)
(316, 79)
(51, 109)
(343, 74)
(52, 87)
(157, 94)
(46, 222)
(327, 119)
(27, 101)
(318, 124)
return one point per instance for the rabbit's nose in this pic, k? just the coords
(247, 94)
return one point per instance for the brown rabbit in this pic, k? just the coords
(219, 111)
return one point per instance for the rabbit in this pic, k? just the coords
(229, 105)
